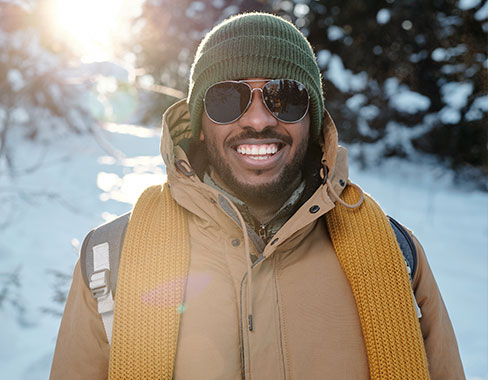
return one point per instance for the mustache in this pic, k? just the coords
(264, 134)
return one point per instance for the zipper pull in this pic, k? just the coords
(263, 233)
(250, 323)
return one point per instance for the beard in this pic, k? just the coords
(285, 183)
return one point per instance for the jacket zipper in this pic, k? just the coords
(242, 331)
(242, 319)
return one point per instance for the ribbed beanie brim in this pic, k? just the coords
(254, 45)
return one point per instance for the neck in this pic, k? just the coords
(263, 209)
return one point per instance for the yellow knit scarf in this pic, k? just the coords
(369, 254)
(150, 289)
(154, 267)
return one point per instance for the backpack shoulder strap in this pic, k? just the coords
(99, 262)
(406, 245)
(113, 233)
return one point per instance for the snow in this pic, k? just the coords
(403, 99)
(45, 214)
(356, 101)
(442, 54)
(40, 215)
(301, 10)
(15, 79)
(456, 94)
(369, 112)
(323, 57)
(344, 79)
(218, 3)
(482, 13)
(383, 16)
(475, 112)
(335, 33)
(407, 24)
(468, 4)
(19, 115)
(410, 102)
(195, 9)
(449, 115)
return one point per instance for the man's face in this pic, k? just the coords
(257, 156)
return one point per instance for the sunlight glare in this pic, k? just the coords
(93, 27)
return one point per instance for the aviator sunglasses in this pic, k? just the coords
(287, 100)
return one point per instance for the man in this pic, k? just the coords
(259, 260)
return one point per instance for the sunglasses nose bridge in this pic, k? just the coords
(258, 89)
(262, 96)
(252, 95)
(257, 116)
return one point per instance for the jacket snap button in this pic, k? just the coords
(314, 209)
(342, 182)
(236, 242)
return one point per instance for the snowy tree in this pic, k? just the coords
(406, 75)
(40, 96)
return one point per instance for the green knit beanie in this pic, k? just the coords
(255, 45)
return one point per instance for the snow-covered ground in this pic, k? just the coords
(45, 213)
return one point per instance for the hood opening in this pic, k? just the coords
(177, 136)
(197, 156)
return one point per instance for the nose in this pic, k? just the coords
(257, 115)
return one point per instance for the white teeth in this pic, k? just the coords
(258, 152)
(271, 149)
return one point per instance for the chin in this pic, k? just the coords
(259, 190)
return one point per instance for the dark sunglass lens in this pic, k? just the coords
(226, 101)
(286, 99)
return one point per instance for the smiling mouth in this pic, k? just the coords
(258, 151)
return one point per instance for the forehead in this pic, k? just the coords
(247, 80)
(255, 82)
(255, 79)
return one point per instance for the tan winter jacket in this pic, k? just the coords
(306, 325)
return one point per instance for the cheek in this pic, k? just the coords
(213, 134)
(300, 132)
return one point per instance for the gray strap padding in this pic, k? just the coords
(406, 245)
(409, 253)
(112, 233)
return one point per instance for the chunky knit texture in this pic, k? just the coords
(371, 258)
(255, 45)
(150, 289)
(154, 267)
